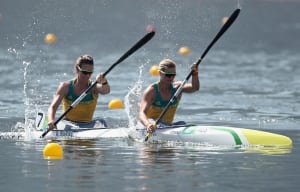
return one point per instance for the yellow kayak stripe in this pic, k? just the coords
(255, 137)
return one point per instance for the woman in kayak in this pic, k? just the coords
(69, 91)
(158, 95)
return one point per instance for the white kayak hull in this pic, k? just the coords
(217, 135)
(83, 133)
(211, 135)
(72, 130)
(65, 130)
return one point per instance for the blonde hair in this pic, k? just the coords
(83, 59)
(165, 64)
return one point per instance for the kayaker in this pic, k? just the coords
(68, 91)
(158, 94)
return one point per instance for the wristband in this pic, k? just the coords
(195, 73)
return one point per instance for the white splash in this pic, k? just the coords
(132, 100)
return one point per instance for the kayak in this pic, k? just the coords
(203, 134)
(207, 135)
(217, 135)
(73, 130)
(65, 131)
(84, 133)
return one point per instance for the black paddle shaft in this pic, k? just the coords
(134, 48)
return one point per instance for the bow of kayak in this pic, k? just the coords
(255, 137)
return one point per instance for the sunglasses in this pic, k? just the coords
(168, 74)
(86, 72)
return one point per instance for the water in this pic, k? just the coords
(248, 79)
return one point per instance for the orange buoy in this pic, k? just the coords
(53, 151)
(154, 70)
(224, 20)
(115, 104)
(184, 50)
(50, 38)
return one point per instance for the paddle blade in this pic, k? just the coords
(44, 134)
(148, 135)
